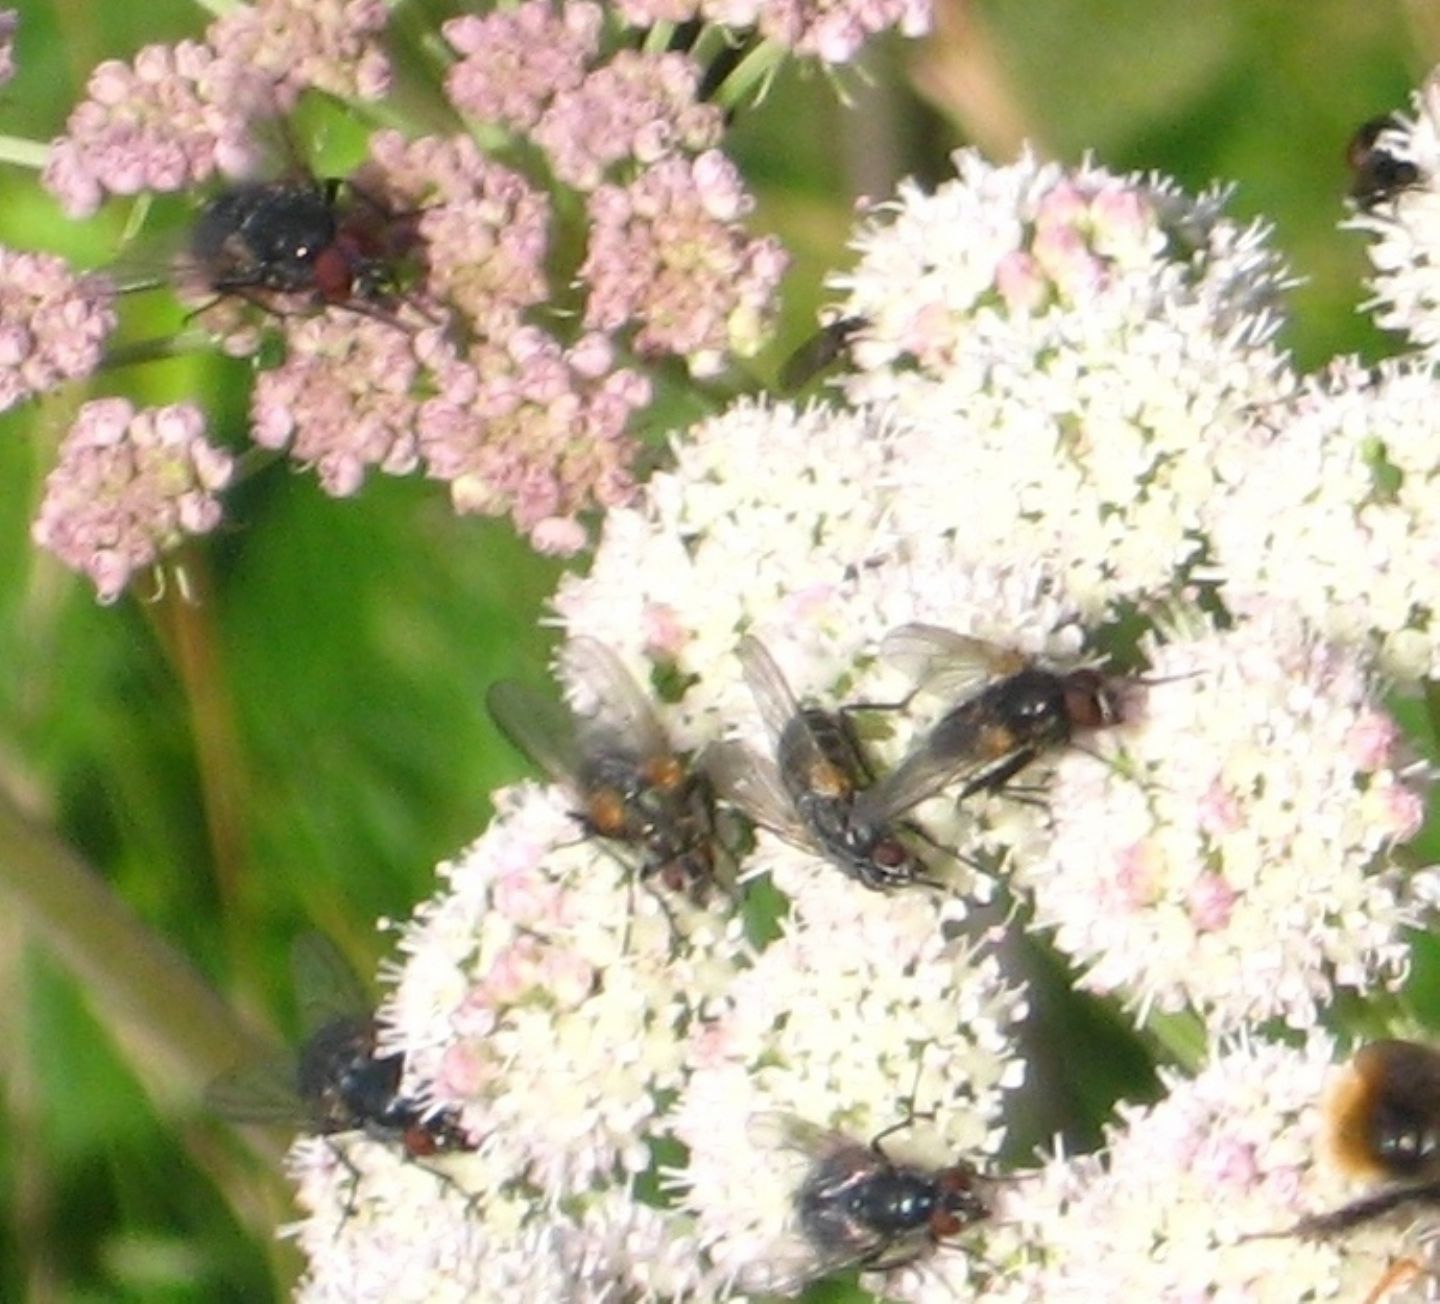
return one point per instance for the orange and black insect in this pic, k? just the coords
(1010, 712)
(1382, 1125)
(629, 784)
(813, 791)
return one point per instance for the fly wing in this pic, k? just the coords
(752, 782)
(768, 686)
(615, 709)
(264, 1092)
(945, 663)
(538, 727)
(325, 984)
(924, 771)
(817, 353)
(795, 1260)
(777, 1129)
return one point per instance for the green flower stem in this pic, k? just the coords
(217, 7)
(1182, 1036)
(751, 72)
(1432, 705)
(177, 1031)
(22, 152)
(657, 39)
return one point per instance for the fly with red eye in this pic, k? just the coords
(629, 785)
(1010, 712)
(323, 240)
(811, 792)
(338, 1080)
(859, 1207)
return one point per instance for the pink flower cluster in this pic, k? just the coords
(515, 60)
(832, 31)
(667, 252)
(181, 113)
(129, 486)
(344, 400)
(527, 68)
(328, 44)
(484, 228)
(525, 426)
(9, 21)
(52, 324)
(641, 106)
(175, 117)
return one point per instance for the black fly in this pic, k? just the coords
(814, 791)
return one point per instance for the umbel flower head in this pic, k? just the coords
(490, 314)
(1187, 1200)
(1084, 344)
(129, 486)
(1334, 502)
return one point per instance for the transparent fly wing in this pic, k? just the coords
(264, 1092)
(615, 709)
(539, 727)
(817, 353)
(945, 663)
(925, 771)
(752, 783)
(325, 984)
(778, 708)
(776, 1129)
(768, 686)
(798, 1260)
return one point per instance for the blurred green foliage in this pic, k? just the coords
(298, 745)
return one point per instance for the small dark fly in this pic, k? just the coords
(1376, 173)
(1011, 712)
(859, 1208)
(818, 353)
(322, 239)
(629, 784)
(337, 1081)
(814, 792)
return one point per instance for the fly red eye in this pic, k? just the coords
(889, 853)
(944, 1223)
(1089, 703)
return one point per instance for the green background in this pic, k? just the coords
(298, 745)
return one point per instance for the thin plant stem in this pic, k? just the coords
(178, 1031)
(23, 152)
(751, 72)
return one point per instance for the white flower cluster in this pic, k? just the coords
(1233, 856)
(1063, 393)
(1183, 1205)
(1334, 506)
(1082, 345)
